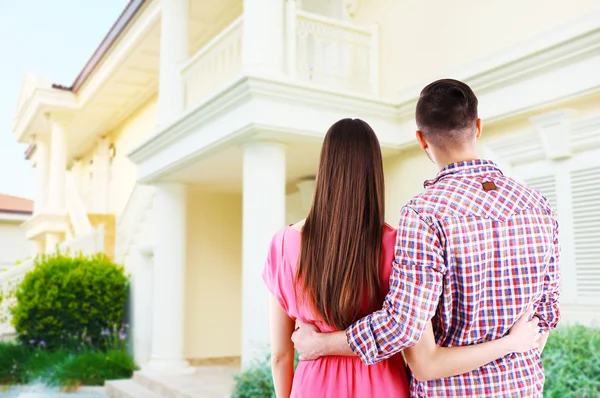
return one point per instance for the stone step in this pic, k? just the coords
(158, 386)
(127, 389)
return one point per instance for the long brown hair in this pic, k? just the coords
(340, 253)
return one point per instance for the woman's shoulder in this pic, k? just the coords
(286, 236)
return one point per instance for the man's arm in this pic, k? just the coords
(548, 309)
(415, 288)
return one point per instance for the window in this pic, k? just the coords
(572, 186)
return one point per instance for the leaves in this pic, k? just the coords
(68, 296)
(572, 363)
(25, 364)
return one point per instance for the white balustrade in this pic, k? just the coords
(9, 282)
(216, 64)
(333, 53)
(321, 51)
(132, 217)
(87, 244)
(76, 208)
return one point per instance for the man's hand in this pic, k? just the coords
(306, 338)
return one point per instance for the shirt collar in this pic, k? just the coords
(473, 168)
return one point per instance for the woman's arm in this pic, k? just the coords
(427, 361)
(282, 350)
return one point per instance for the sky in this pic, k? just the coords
(52, 38)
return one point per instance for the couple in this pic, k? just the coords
(464, 293)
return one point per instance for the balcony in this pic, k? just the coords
(319, 51)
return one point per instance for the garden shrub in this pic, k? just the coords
(22, 364)
(69, 301)
(571, 359)
(256, 381)
(12, 359)
(572, 362)
(92, 368)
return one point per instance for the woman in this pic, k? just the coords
(333, 268)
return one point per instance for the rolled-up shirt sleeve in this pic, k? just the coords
(415, 287)
(548, 310)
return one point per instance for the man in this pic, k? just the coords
(473, 252)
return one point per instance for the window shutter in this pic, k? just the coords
(547, 186)
(585, 185)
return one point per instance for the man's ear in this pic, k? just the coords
(421, 138)
(479, 129)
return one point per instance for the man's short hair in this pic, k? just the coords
(447, 113)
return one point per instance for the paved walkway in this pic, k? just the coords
(44, 392)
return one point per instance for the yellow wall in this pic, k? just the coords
(214, 275)
(404, 177)
(139, 126)
(420, 43)
(122, 176)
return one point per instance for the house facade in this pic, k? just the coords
(14, 246)
(193, 133)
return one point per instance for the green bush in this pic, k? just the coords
(69, 301)
(92, 368)
(571, 360)
(12, 359)
(256, 381)
(21, 364)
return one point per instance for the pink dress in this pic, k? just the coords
(332, 376)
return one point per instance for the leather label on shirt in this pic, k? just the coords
(488, 186)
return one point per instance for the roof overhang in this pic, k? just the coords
(32, 118)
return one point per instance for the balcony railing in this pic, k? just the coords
(332, 53)
(9, 282)
(217, 63)
(319, 51)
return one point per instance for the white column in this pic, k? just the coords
(52, 241)
(263, 36)
(263, 215)
(41, 174)
(39, 246)
(141, 260)
(169, 280)
(174, 51)
(58, 169)
(101, 168)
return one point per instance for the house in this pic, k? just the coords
(193, 134)
(14, 246)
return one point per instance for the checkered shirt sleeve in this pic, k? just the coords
(415, 288)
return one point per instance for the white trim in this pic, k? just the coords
(42, 101)
(549, 69)
(44, 223)
(19, 217)
(248, 106)
(573, 40)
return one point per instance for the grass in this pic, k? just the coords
(20, 364)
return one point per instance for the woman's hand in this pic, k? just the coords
(525, 334)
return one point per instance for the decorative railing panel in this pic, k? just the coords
(9, 282)
(216, 64)
(332, 53)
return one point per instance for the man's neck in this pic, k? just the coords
(444, 161)
(443, 164)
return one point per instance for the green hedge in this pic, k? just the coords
(572, 362)
(571, 359)
(22, 364)
(69, 302)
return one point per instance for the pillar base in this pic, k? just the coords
(168, 367)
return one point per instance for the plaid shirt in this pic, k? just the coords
(471, 261)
